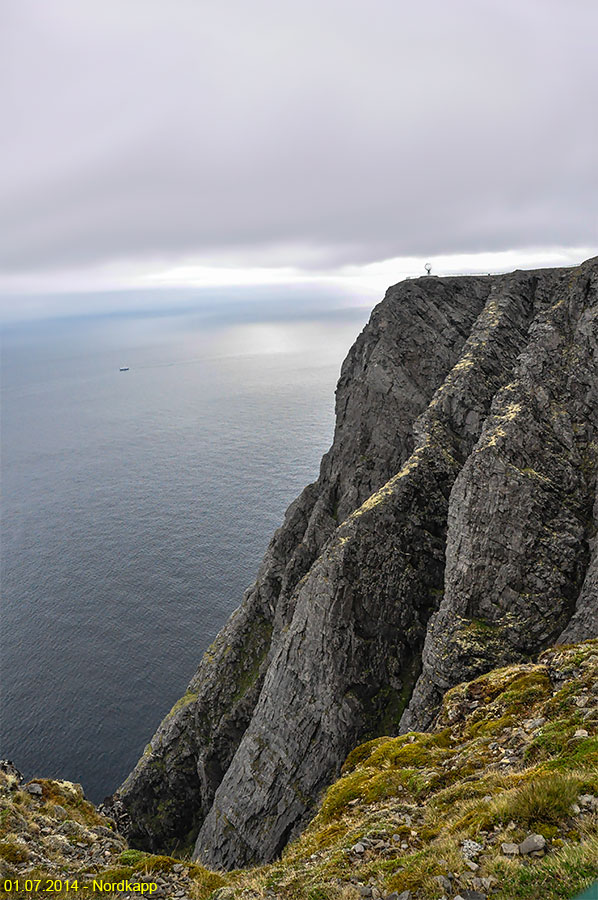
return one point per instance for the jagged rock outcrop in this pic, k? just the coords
(451, 529)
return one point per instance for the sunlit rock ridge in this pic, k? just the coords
(452, 529)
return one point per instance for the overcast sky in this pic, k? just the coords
(170, 141)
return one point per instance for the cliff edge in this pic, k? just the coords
(452, 529)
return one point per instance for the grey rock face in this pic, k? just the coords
(521, 514)
(450, 530)
(582, 624)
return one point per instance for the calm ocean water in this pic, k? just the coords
(136, 508)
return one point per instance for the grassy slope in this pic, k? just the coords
(504, 761)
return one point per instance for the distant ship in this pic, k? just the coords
(124, 369)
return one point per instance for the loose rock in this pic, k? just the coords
(471, 849)
(532, 844)
(510, 849)
(34, 789)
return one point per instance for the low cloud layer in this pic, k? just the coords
(313, 134)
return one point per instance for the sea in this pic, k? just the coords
(137, 505)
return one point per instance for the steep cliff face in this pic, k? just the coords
(521, 518)
(451, 529)
(413, 339)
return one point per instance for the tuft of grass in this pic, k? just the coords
(545, 800)
(132, 857)
(527, 690)
(13, 852)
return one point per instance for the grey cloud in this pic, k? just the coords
(228, 129)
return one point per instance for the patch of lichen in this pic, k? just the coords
(477, 638)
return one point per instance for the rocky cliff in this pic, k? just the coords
(452, 529)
